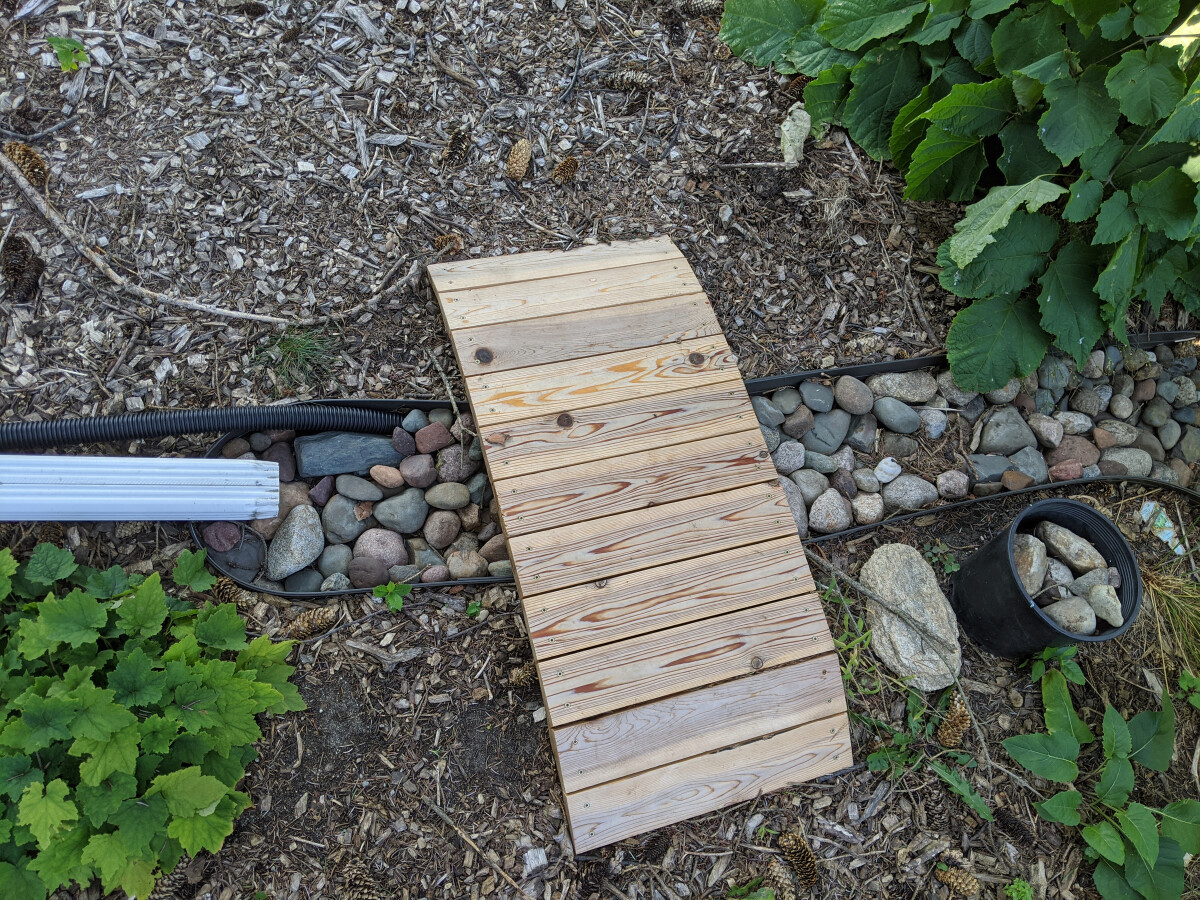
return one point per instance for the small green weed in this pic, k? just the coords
(70, 52)
(1189, 688)
(749, 891)
(473, 608)
(861, 676)
(1019, 890)
(299, 357)
(393, 594)
(939, 555)
(1063, 657)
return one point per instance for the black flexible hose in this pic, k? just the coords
(168, 423)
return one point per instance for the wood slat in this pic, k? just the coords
(690, 787)
(574, 335)
(687, 725)
(603, 548)
(535, 445)
(609, 486)
(591, 289)
(568, 387)
(602, 612)
(605, 679)
(520, 267)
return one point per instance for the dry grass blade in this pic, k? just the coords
(1176, 599)
(524, 676)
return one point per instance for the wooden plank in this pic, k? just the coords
(585, 290)
(691, 787)
(613, 609)
(574, 335)
(605, 679)
(577, 384)
(515, 267)
(686, 725)
(550, 442)
(609, 486)
(602, 548)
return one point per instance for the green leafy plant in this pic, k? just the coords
(1062, 657)
(393, 594)
(190, 573)
(473, 608)
(1189, 688)
(70, 52)
(1138, 850)
(861, 676)
(127, 719)
(1069, 126)
(1019, 889)
(751, 890)
(942, 556)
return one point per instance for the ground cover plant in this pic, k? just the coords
(127, 720)
(1069, 126)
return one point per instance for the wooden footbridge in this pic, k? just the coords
(683, 654)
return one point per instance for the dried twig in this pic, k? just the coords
(448, 69)
(470, 843)
(39, 135)
(84, 247)
(858, 166)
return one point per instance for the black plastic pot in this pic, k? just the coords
(246, 579)
(996, 611)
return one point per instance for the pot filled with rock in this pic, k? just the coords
(1061, 573)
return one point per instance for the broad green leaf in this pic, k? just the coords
(100, 801)
(1105, 840)
(1153, 735)
(945, 166)
(959, 785)
(825, 97)
(47, 812)
(221, 627)
(1026, 35)
(1116, 281)
(1088, 13)
(974, 109)
(812, 54)
(187, 791)
(1030, 81)
(16, 774)
(1181, 823)
(143, 613)
(1063, 808)
(974, 41)
(1111, 883)
(49, 564)
(76, 619)
(8, 567)
(1051, 756)
(883, 81)
(909, 127)
(1115, 221)
(189, 571)
(1163, 881)
(1184, 122)
(34, 638)
(96, 715)
(118, 865)
(61, 862)
(1116, 781)
(48, 720)
(1138, 825)
(157, 733)
(760, 31)
(208, 832)
(986, 217)
(17, 881)
(1023, 156)
(1081, 115)
(1167, 204)
(1008, 264)
(1060, 711)
(141, 820)
(1144, 163)
(117, 754)
(937, 26)
(980, 8)
(106, 584)
(1117, 24)
(995, 340)
(1098, 162)
(134, 680)
(1117, 742)
(1085, 200)
(1153, 16)
(850, 24)
(1146, 83)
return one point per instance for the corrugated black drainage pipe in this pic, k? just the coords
(996, 611)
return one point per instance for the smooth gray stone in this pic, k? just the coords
(772, 436)
(340, 524)
(988, 467)
(334, 558)
(445, 416)
(297, 543)
(422, 554)
(828, 432)
(767, 412)
(303, 582)
(1032, 463)
(414, 421)
(897, 416)
(337, 452)
(358, 488)
(787, 399)
(1006, 433)
(819, 462)
(863, 430)
(817, 396)
(811, 483)
(405, 513)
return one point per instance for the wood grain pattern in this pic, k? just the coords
(602, 548)
(609, 678)
(519, 267)
(614, 609)
(585, 290)
(609, 486)
(574, 335)
(535, 445)
(568, 387)
(690, 787)
(686, 725)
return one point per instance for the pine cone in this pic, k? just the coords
(312, 622)
(228, 591)
(960, 882)
(799, 855)
(251, 10)
(22, 269)
(451, 242)
(290, 35)
(565, 170)
(1014, 826)
(955, 723)
(32, 166)
(518, 159)
(524, 676)
(656, 848)
(702, 7)
(27, 287)
(172, 885)
(780, 879)
(52, 533)
(455, 152)
(628, 80)
(360, 884)
(937, 816)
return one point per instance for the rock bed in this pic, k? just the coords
(361, 510)
(1068, 578)
(850, 452)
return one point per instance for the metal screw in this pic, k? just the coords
(756, 663)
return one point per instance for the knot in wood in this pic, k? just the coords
(483, 356)
(695, 358)
(565, 420)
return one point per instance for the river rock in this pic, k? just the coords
(1150, 444)
(1135, 462)
(1048, 431)
(1082, 586)
(1169, 434)
(236, 448)
(788, 457)
(222, 536)
(929, 655)
(953, 485)
(383, 545)
(1187, 391)
(767, 412)
(402, 442)
(334, 558)
(817, 396)
(1073, 614)
(796, 503)
(1188, 448)
(861, 436)
(414, 420)
(900, 446)
(954, 395)
(865, 480)
(1015, 480)
(799, 423)
(405, 512)
(887, 470)
(772, 437)
(1029, 558)
(1168, 390)
(1031, 463)
(1086, 401)
(306, 581)
(358, 488)
(1005, 394)
(387, 477)
(988, 468)
(367, 572)
(909, 492)
(1074, 446)
(1120, 406)
(337, 452)
(1070, 548)
(1074, 422)
(907, 387)
(1093, 366)
(338, 581)
(418, 470)
(441, 528)
(819, 462)
(467, 565)
(933, 422)
(868, 509)
(853, 396)
(843, 482)
(828, 431)
(1006, 433)
(787, 399)
(896, 416)
(297, 543)
(812, 484)
(496, 548)
(449, 495)
(340, 521)
(1156, 412)
(281, 454)
(320, 492)
(291, 495)
(1113, 433)
(830, 512)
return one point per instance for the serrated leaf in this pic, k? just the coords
(1116, 781)
(1163, 881)
(76, 619)
(1062, 808)
(974, 109)
(1138, 825)
(1117, 742)
(883, 81)
(60, 862)
(974, 42)
(986, 217)
(1145, 163)
(1026, 35)
(141, 820)
(1146, 83)
(1183, 124)
(143, 613)
(1008, 264)
(909, 128)
(1050, 756)
(937, 26)
(1023, 156)
(1110, 882)
(1115, 221)
(1105, 840)
(850, 24)
(811, 54)
(994, 340)
(189, 571)
(945, 166)
(17, 881)
(1115, 283)
(46, 812)
(1080, 116)
(49, 564)
(1153, 16)
(760, 31)
(98, 802)
(1056, 698)
(117, 754)
(106, 584)
(1153, 736)
(221, 627)
(118, 865)
(1167, 204)
(196, 833)
(16, 774)
(825, 97)
(135, 682)
(48, 720)
(96, 715)
(1084, 201)
(960, 786)
(187, 790)
(1181, 823)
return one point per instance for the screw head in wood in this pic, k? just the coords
(483, 356)
(756, 663)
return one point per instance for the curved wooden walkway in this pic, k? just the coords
(683, 655)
